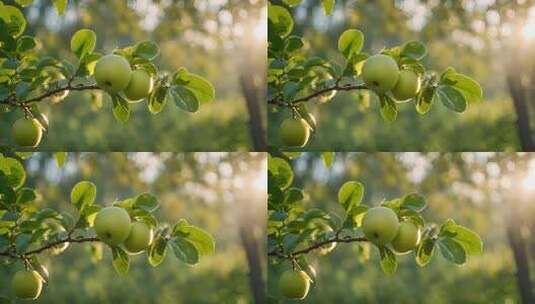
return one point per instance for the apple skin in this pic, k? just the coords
(294, 132)
(27, 132)
(380, 73)
(139, 87)
(294, 284)
(112, 73)
(327, 248)
(112, 225)
(407, 86)
(380, 225)
(407, 238)
(139, 238)
(27, 284)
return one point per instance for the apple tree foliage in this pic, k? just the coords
(28, 231)
(296, 231)
(28, 77)
(295, 79)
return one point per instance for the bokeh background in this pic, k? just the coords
(489, 40)
(223, 193)
(223, 41)
(492, 194)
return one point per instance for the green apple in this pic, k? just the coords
(27, 284)
(294, 132)
(112, 73)
(112, 225)
(139, 87)
(380, 225)
(325, 230)
(27, 132)
(380, 73)
(407, 238)
(294, 284)
(407, 86)
(139, 238)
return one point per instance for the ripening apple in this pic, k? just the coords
(327, 248)
(380, 225)
(27, 132)
(112, 225)
(407, 87)
(27, 284)
(294, 132)
(407, 238)
(112, 73)
(380, 73)
(139, 87)
(294, 284)
(139, 238)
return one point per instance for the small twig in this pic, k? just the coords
(336, 239)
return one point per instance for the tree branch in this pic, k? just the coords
(49, 246)
(317, 246)
(337, 87)
(11, 101)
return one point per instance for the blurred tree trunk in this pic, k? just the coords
(518, 246)
(518, 93)
(254, 260)
(253, 97)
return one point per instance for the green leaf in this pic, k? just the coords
(280, 21)
(350, 43)
(451, 98)
(293, 195)
(281, 171)
(13, 171)
(203, 90)
(350, 195)
(147, 50)
(60, 6)
(25, 43)
(25, 195)
(120, 260)
(83, 194)
(452, 251)
(14, 19)
(185, 251)
(328, 158)
(158, 99)
(413, 201)
(328, 6)
(414, 49)
(471, 242)
(470, 89)
(121, 108)
(425, 251)
(201, 239)
(424, 100)
(83, 43)
(24, 3)
(389, 109)
(61, 157)
(157, 251)
(185, 99)
(147, 202)
(389, 263)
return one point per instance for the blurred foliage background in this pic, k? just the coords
(223, 193)
(220, 40)
(491, 41)
(490, 193)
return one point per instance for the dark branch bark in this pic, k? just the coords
(49, 246)
(69, 87)
(318, 245)
(321, 92)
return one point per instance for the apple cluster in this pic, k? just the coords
(113, 226)
(380, 73)
(113, 74)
